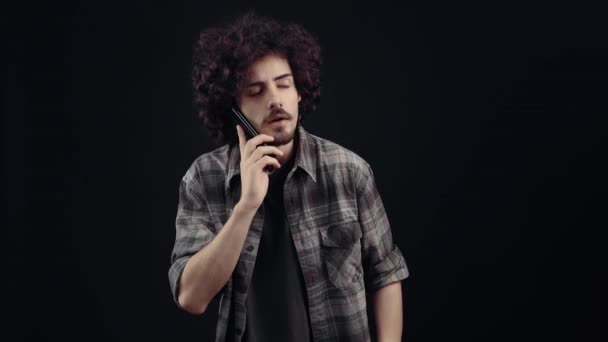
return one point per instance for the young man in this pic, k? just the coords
(293, 251)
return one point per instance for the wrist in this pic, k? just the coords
(245, 208)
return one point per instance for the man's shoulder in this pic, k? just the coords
(212, 163)
(333, 156)
(213, 159)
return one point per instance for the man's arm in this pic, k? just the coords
(383, 263)
(388, 313)
(209, 269)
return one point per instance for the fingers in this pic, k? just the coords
(261, 151)
(247, 147)
(265, 161)
(254, 143)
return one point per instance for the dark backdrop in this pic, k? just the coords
(482, 124)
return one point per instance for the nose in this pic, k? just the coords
(274, 100)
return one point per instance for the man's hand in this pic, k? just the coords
(254, 158)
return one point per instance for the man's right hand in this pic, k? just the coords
(254, 158)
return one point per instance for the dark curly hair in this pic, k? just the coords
(222, 56)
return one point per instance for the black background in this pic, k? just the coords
(482, 124)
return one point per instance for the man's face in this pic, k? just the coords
(270, 99)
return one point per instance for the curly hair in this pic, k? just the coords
(222, 56)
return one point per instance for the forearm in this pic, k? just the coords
(388, 313)
(207, 271)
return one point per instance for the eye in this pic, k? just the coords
(254, 91)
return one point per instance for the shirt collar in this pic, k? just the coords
(305, 156)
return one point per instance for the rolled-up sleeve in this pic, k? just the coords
(383, 262)
(193, 226)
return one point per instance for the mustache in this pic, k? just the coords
(278, 111)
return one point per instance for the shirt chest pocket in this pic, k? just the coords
(341, 252)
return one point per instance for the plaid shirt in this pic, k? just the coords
(338, 224)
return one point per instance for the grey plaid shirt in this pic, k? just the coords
(338, 224)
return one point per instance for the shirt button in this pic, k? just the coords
(250, 248)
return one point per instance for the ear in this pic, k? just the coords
(299, 98)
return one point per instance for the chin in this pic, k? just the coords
(283, 137)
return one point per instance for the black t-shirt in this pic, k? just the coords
(276, 300)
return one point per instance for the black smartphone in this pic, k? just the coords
(250, 131)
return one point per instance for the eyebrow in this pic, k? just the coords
(275, 79)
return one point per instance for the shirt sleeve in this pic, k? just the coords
(383, 262)
(193, 227)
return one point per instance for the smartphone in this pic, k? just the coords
(250, 131)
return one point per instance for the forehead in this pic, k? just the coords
(268, 67)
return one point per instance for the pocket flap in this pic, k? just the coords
(342, 235)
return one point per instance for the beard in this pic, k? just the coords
(284, 136)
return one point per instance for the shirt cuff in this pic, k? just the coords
(175, 274)
(392, 269)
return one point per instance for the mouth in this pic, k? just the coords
(278, 118)
(277, 121)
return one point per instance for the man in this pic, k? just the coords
(291, 251)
